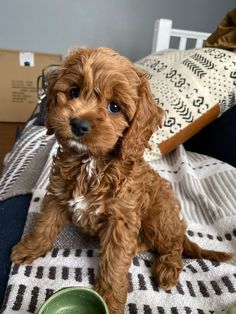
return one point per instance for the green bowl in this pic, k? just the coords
(75, 300)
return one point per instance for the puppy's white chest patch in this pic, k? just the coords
(78, 206)
(90, 164)
(78, 202)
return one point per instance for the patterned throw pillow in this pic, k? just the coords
(194, 87)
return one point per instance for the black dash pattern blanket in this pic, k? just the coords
(207, 190)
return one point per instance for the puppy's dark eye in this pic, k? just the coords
(74, 92)
(113, 108)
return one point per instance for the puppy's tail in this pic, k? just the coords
(193, 250)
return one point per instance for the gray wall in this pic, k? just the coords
(124, 25)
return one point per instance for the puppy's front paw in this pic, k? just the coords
(114, 306)
(25, 253)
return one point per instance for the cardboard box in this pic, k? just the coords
(18, 82)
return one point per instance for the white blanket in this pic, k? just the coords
(207, 190)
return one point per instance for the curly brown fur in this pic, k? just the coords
(100, 181)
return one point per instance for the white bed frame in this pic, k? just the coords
(163, 32)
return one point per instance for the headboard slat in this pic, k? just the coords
(199, 43)
(163, 32)
(182, 43)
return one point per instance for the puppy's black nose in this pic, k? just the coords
(80, 126)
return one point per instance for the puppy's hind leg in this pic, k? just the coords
(167, 267)
(50, 222)
(165, 233)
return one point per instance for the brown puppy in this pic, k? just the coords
(102, 113)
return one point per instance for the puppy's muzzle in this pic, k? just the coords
(80, 127)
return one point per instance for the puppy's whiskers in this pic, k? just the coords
(81, 148)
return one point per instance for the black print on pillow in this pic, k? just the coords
(187, 84)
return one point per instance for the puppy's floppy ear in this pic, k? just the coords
(147, 119)
(51, 99)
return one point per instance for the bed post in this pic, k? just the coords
(161, 35)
